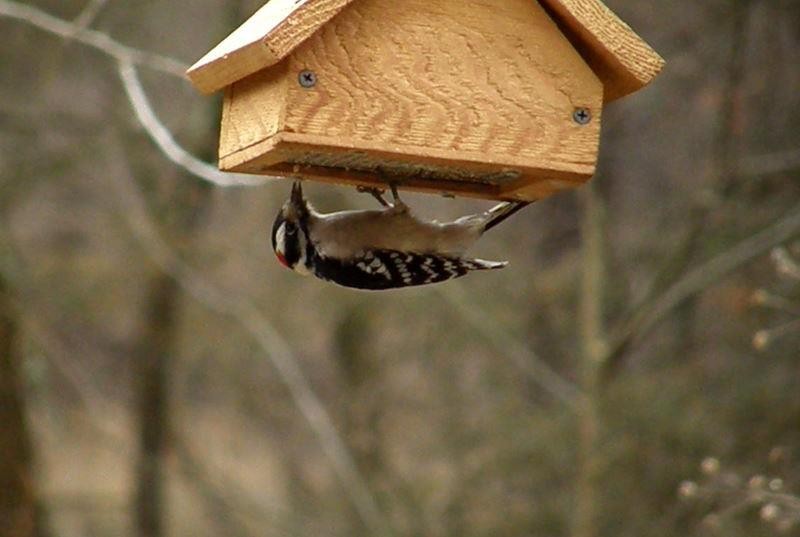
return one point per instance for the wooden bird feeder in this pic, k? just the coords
(495, 99)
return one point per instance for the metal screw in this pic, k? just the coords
(582, 116)
(307, 79)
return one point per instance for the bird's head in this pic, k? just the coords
(290, 231)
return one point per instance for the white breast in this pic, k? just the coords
(346, 233)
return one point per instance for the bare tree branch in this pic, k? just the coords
(228, 498)
(517, 351)
(770, 163)
(20, 507)
(592, 336)
(785, 264)
(89, 13)
(700, 278)
(164, 140)
(98, 40)
(724, 161)
(129, 57)
(720, 186)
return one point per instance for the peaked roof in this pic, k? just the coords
(263, 40)
(619, 57)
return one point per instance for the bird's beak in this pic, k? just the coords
(297, 195)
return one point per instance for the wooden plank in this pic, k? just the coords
(533, 191)
(529, 189)
(288, 152)
(623, 60)
(620, 57)
(287, 146)
(499, 83)
(355, 179)
(253, 110)
(263, 40)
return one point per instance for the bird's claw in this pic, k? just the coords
(397, 203)
(375, 192)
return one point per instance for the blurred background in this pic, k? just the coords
(635, 371)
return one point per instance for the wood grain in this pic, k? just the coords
(263, 40)
(253, 111)
(623, 60)
(537, 190)
(493, 79)
(297, 155)
(402, 161)
(427, 89)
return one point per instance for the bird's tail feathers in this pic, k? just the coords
(483, 264)
(502, 211)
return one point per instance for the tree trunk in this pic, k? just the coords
(153, 404)
(19, 508)
(593, 351)
(154, 371)
(361, 410)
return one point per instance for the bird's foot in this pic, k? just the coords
(397, 203)
(375, 192)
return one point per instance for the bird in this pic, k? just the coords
(380, 249)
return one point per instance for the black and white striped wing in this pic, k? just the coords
(390, 269)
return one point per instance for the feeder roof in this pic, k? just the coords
(622, 60)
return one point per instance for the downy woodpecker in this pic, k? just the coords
(383, 248)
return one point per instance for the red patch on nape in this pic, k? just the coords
(282, 259)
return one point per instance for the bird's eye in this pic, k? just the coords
(291, 230)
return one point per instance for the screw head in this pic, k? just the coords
(307, 79)
(582, 116)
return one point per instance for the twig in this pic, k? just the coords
(517, 351)
(764, 298)
(164, 140)
(98, 40)
(785, 264)
(219, 506)
(766, 336)
(771, 163)
(592, 337)
(128, 58)
(700, 278)
(725, 163)
(226, 497)
(89, 13)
